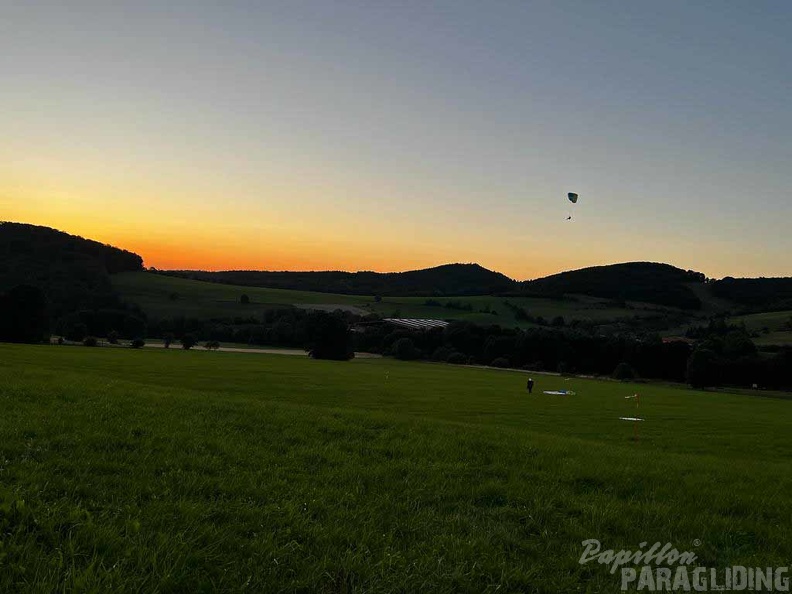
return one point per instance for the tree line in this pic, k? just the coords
(647, 282)
(450, 279)
(755, 294)
(722, 354)
(73, 273)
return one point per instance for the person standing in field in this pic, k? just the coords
(530, 385)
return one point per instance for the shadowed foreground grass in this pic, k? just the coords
(158, 471)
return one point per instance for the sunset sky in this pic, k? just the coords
(397, 134)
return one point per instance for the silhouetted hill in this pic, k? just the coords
(649, 282)
(450, 279)
(72, 271)
(756, 294)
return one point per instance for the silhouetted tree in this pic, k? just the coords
(327, 337)
(188, 341)
(624, 371)
(23, 315)
(702, 368)
(738, 344)
(244, 299)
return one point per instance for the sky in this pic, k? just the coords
(391, 135)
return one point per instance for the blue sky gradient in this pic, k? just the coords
(393, 135)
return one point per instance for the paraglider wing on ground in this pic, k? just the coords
(559, 392)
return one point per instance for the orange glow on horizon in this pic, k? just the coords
(197, 240)
(173, 257)
(213, 249)
(175, 250)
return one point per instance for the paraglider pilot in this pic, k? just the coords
(573, 198)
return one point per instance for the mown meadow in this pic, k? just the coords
(193, 471)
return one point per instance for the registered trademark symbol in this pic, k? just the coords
(697, 543)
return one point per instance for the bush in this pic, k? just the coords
(188, 341)
(404, 349)
(457, 359)
(244, 299)
(442, 353)
(90, 341)
(212, 345)
(624, 371)
(500, 362)
(137, 343)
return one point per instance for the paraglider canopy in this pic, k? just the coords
(573, 199)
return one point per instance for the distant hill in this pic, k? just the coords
(648, 282)
(72, 271)
(756, 294)
(446, 280)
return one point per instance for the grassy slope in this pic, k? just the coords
(172, 471)
(202, 299)
(774, 338)
(773, 321)
(196, 298)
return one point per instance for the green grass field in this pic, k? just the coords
(774, 338)
(163, 296)
(772, 327)
(773, 320)
(193, 471)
